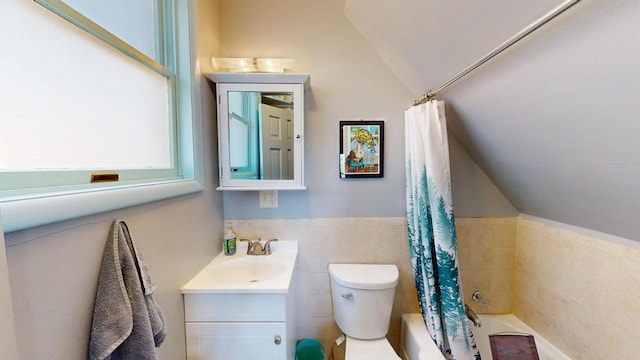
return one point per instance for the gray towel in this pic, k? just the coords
(127, 322)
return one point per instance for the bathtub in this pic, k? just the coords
(415, 343)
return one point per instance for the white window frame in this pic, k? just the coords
(44, 208)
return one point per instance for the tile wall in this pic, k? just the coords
(341, 240)
(486, 255)
(581, 292)
(384, 241)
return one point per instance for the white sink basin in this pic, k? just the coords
(247, 273)
(248, 269)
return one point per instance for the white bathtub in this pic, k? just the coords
(415, 343)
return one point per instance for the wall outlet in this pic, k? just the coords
(269, 199)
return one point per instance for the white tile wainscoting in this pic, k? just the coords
(568, 286)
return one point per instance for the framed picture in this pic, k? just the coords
(361, 148)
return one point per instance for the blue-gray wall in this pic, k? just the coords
(53, 269)
(349, 81)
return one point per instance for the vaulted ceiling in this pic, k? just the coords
(553, 120)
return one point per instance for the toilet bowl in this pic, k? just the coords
(362, 297)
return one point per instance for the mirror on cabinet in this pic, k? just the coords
(260, 130)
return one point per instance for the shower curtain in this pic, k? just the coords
(432, 233)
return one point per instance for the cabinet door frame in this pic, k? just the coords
(236, 340)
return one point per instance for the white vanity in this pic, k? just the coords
(242, 306)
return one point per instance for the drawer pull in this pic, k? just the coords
(277, 340)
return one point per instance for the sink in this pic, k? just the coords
(247, 273)
(248, 269)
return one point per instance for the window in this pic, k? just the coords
(79, 108)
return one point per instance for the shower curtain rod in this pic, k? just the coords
(500, 48)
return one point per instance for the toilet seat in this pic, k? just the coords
(377, 349)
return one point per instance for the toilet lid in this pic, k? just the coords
(378, 349)
(365, 276)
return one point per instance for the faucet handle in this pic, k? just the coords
(267, 247)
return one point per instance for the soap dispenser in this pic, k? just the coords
(229, 243)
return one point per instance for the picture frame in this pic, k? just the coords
(361, 149)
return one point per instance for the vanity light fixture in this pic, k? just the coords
(271, 65)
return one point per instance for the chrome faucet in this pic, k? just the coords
(256, 248)
(471, 315)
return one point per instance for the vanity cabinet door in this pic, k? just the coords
(238, 341)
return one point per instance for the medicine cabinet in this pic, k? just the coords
(261, 130)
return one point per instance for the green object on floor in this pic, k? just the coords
(310, 349)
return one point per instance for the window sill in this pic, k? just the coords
(27, 213)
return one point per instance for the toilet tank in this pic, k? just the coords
(362, 296)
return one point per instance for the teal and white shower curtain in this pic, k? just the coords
(432, 233)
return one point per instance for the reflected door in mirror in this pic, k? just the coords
(277, 142)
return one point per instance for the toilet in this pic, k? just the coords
(362, 297)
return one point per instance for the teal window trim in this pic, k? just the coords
(22, 212)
